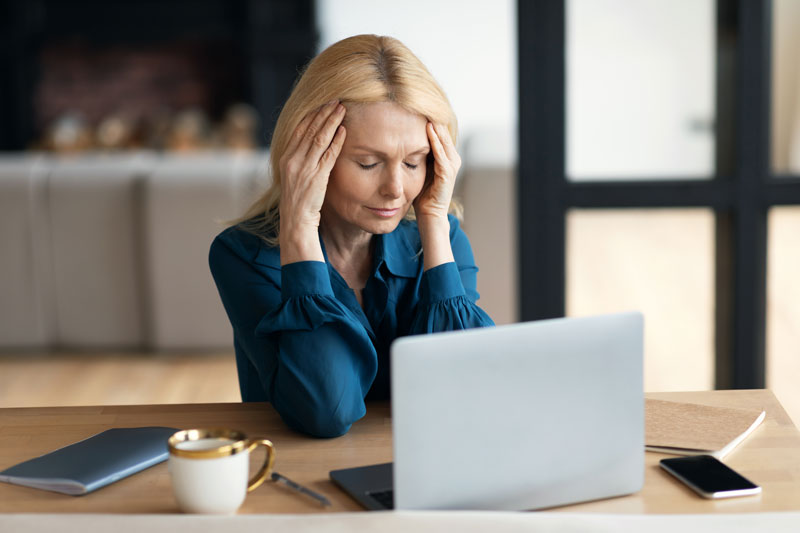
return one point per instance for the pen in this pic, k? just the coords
(278, 478)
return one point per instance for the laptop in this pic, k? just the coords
(517, 417)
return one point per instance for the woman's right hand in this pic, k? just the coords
(305, 167)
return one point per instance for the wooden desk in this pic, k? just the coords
(770, 457)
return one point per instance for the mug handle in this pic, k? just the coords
(262, 474)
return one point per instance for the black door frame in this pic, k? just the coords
(740, 193)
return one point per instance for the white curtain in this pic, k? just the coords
(786, 88)
(794, 146)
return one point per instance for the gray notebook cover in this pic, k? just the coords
(95, 462)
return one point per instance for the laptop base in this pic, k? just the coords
(371, 486)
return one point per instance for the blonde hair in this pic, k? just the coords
(357, 70)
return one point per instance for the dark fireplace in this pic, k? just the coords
(117, 64)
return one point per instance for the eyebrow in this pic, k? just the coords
(424, 149)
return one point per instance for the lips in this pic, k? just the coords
(384, 212)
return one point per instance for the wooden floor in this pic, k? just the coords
(51, 379)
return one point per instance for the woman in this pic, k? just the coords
(329, 266)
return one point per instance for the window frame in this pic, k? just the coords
(740, 193)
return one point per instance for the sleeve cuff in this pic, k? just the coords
(305, 278)
(441, 283)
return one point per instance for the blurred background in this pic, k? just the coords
(131, 130)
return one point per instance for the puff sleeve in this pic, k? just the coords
(312, 357)
(448, 292)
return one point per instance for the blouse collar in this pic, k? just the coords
(401, 250)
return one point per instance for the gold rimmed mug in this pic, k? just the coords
(210, 467)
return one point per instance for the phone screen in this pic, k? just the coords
(709, 477)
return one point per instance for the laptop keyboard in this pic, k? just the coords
(383, 497)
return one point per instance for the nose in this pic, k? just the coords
(391, 183)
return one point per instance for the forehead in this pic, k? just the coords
(384, 122)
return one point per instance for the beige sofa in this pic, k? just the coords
(110, 251)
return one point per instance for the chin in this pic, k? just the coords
(382, 227)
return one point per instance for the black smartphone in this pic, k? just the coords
(709, 477)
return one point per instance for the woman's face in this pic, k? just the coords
(380, 170)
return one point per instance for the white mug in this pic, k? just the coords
(210, 467)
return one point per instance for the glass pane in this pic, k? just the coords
(640, 78)
(659, 262)
(785, 87)
(783, 307)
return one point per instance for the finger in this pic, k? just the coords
(321, 130)
(328, 159)
(298, 133)
(439, 152)
(309, 126)
(447, 141)
(296, 154)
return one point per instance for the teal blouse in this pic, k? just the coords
(304, 343)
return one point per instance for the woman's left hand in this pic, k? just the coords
(434, 200)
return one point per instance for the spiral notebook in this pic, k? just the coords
(95, 462)
(690, 429)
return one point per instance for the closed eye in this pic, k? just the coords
(410, 166)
